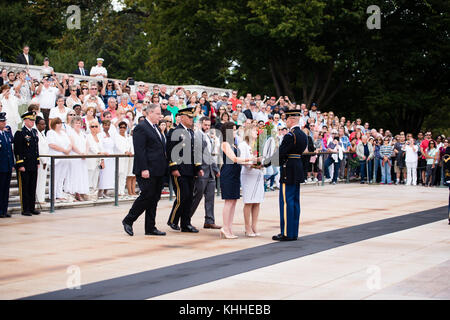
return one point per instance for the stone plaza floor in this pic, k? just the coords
(356, 242)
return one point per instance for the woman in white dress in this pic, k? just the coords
(252, 182)
(95, 147)
(59, 144)
(122, 146)
(107, 174)
(10, 105)
(78, 172)
(131, 178)
(60, 111)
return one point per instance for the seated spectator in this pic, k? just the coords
(60, 111)
(73, 98)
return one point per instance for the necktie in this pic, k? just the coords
(159, 133)
(82, 71)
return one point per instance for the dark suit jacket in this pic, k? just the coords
(21, 59)
(248, 114)
(77, 71)
(149, 151)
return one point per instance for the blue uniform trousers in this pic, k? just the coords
(5, 181)
(289, 209)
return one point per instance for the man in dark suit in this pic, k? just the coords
(26, 150)
(150, 167)
(24, 57)
(206, 185)
(251, 113)
(290, 153)
(180, 151)
(6, 165)
(81, 70)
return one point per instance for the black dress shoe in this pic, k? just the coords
(280, 237)
(7, 215)
(211, 226)
(155, 232)
(29, 214)
(35, 212)
(189, 228)
(173, 226)
(2, 215)
(128, 229)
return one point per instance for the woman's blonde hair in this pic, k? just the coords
(248, 133)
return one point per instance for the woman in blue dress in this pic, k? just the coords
(230, 177)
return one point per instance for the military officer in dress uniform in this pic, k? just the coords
(290, 151)
(6, 164)
(26, 150)
(183, 168)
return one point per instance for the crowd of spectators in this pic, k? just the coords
(98, 117)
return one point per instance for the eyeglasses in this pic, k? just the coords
(71, 114)
(164, 104)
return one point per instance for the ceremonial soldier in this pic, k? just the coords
(6, 164)
(26, 150)
(180, 152)
(293, 145)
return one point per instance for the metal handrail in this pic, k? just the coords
(75, 156)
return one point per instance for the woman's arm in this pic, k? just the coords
(226, 148)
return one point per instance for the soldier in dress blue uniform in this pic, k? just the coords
(6, 165)
(293, 145)
(26, 150)
(183, 169)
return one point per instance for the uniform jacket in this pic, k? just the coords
(149, 151)
(26, 149)
(180, 151)
(294, 144)
(6, 151)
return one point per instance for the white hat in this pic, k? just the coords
(100, 59)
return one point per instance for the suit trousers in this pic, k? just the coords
(41, 183)
(204, 187)
(5, 182)
(184, 188)
(27, 188)
(147, 201)
(289, 209)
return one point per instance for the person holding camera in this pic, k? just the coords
(110, 90)
(47, 92)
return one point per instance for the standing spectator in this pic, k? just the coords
(47, 91)
(25, 57)
(10, 105)
(333, 146)
(99, 71)
(378, 157)
(364, 151)
(24, 88)
(122, 145)
(386, 151)
(234, 100)
(432, 156)
(3, 77)
(411, 162)
(78, 169)
(43, 162)
(95, 147)
(110, 90)
(60, 111)
(423, 162)
(131, 178)
(59, 144)
(400, 166)
(46, 70)
(106, 180)
(6, 165)
(81, 70)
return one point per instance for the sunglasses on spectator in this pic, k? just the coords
(164, 104)
(94, 126)
(71, 114)
(122, 127)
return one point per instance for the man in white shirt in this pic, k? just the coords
(47, 94)
(99, 71)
